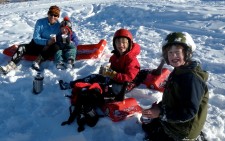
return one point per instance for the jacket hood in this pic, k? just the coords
(134, 51)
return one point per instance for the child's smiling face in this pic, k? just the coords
(176, 56)
(122, 45)
(64, 30)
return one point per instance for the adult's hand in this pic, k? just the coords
(51, 41)
(45, 48)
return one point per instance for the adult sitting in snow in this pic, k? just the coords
(182, 112)
(123, 69)
(66, 48)
(41, 44)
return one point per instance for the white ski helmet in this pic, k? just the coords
(181, 38)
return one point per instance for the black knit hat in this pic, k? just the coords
(66, 23)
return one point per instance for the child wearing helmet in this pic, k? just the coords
(66, 45)
(123, 69)
(181, 113)
(114, 80)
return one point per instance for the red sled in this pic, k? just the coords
(118, 111)
(157, 78)
(90, 51)
(157, 82)
(87, 51)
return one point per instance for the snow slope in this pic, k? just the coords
(25, 116)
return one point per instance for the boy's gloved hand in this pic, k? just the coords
(109, 72)
(103, 69)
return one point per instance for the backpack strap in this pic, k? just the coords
(73, 113)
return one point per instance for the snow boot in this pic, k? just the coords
(5, 69)
(21, 50)
(37, 62)
(70, 64)
(60, 66)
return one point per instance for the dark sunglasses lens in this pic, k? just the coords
(53, 15)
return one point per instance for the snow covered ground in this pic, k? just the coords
(28, 117)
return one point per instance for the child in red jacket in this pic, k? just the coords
(121, 72)
(113, 80)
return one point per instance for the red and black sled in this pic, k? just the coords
(120, 110)
(86, 51)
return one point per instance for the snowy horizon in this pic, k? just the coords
(28, 117)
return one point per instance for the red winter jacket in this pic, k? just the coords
(127, 65)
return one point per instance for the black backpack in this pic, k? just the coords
(85, 97)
